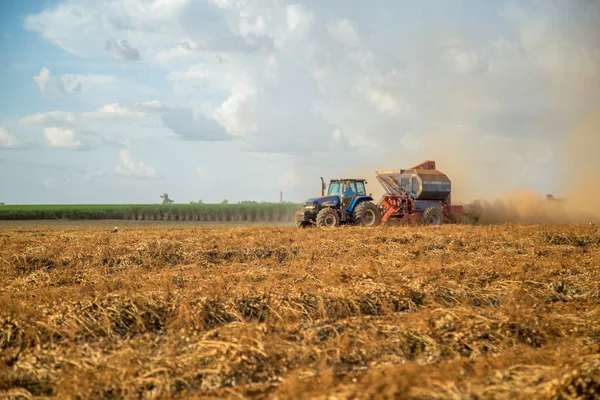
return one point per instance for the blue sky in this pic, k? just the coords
(120, 101)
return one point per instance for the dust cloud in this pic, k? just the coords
(578, 182)
(491, 185)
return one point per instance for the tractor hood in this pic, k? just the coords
(331, 201)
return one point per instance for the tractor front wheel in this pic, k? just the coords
(328, 218)
(302, 224)
(432, 216)
(367, 214)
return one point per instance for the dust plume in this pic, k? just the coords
(581, 175)
(495, 188)
(578, 183)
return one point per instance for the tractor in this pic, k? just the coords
(418, 195)
(346, 202)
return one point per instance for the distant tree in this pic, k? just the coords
(1, 204)
(196, 202)
(225, 201)
(166, 199)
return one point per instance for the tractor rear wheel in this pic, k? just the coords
(432, 216)
(328, 218)
(367, 214)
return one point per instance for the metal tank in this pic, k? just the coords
(422, 182)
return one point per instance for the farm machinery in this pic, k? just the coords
(418, 195)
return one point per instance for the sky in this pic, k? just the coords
(118, 101)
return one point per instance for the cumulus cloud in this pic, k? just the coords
(49, 118)
(9, 141)
(134, 169)
(297, 79)
(57, 85)
(298, 17)
(121, 50)
(42, 80)
(466, 62)
(187, 126)
(344, 31)
(153, 106)
(112, 111)
(63, 138)
(237, 114)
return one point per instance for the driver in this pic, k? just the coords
(348, 192)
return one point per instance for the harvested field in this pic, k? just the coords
(506, 311)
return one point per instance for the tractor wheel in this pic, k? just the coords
(367, 214)
(432, 216)
(302, 224)
(328, 218)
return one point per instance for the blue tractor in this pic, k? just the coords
(346, 202)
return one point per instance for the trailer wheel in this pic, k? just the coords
(367, 214)
(431, 216)
(328, 218)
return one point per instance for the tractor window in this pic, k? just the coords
(415, 185)
(334, 189)
(360, 189)
(404, 182)
(349, 189)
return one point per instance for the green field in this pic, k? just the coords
(243, 212)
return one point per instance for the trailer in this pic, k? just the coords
(417, 195)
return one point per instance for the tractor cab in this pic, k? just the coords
(341, 202)
(347, 187)
(347, 190)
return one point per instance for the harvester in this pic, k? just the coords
(418, 195)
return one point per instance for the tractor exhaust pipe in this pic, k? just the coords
(322, 187)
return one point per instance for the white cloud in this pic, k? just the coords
(64, 138)
(131, 168)
(49, 118)
(344, 31)
(252, 26)
(112, 111)
(153, 106)
(187, 126)
(61, 85)
(122, 51)
(466, 62)
(237, 114)
(8, 140)
(222, 3)
(42, 80)
(383, 101)
(298, 17)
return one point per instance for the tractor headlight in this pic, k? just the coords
(310, 205)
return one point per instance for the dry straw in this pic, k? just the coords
(459, 312)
